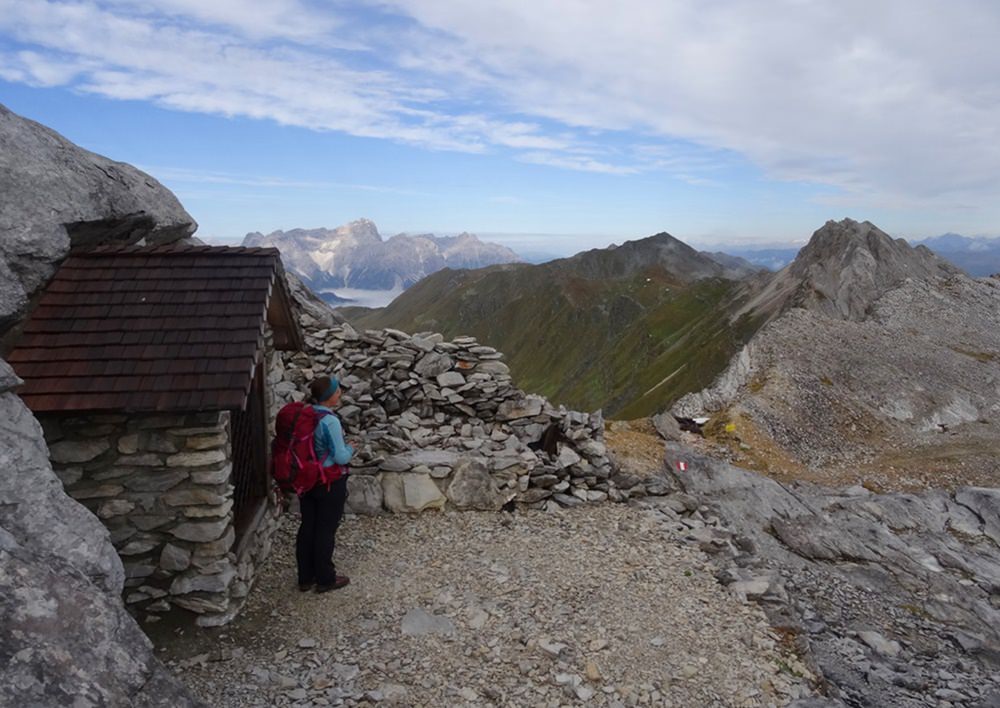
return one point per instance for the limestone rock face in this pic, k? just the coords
(843, 270)
(877, 354)
(57, 196)
(860, 575)
(848, 265)
(37, 513)
(355, 255)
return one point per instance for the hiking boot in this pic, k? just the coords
(305, 587)
(339, 582)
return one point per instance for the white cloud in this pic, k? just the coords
(258, 19)
(210, 177)
(575, 162)
(897, 98)
(165, 60)
(893, 103)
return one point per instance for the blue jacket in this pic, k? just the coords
(329, 440)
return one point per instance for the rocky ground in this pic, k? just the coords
(722, 587)
(599, 605)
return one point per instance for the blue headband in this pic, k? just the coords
(334, 385)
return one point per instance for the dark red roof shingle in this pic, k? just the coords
(162, 328)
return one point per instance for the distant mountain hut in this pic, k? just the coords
(151, 370)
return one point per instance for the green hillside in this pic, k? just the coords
(628, 330)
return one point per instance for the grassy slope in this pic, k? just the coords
(587, 343)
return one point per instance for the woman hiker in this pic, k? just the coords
(322, 507)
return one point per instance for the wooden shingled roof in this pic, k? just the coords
(166, 328)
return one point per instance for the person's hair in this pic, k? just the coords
(319, 387)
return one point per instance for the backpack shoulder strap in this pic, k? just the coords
(295, 421)
(320, 415)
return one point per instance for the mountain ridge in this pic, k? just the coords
(660, 319)
(641, 308)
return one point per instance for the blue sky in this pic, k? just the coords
(578, 122)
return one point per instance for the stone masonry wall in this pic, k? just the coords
(161, 485)
(441, 424)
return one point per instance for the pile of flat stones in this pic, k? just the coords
(439, 423)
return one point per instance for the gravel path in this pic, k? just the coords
(593, 606)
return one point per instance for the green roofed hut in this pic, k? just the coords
(151, 371)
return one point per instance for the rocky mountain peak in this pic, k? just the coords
(361, 229)
(658, 251)
(846, 266)
(845, 248)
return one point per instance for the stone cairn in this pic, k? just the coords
(440, 423)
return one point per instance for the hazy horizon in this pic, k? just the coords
(562, 245)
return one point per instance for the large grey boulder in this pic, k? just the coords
(667, 426)
(57, 196)
(67, 642)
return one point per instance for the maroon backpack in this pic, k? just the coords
(294, 464)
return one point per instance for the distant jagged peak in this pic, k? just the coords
(355, 255)
(361, 229)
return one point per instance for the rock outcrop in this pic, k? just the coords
(312, 310)
(891, 598)
(57, 196)
(844, 269)
(67, 639)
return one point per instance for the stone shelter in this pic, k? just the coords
(151, 370)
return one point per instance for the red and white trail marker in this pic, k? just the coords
(682, 466)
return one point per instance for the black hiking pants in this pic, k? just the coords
(322, 509)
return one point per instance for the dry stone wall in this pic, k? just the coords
(440, 423)
(161, 485)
